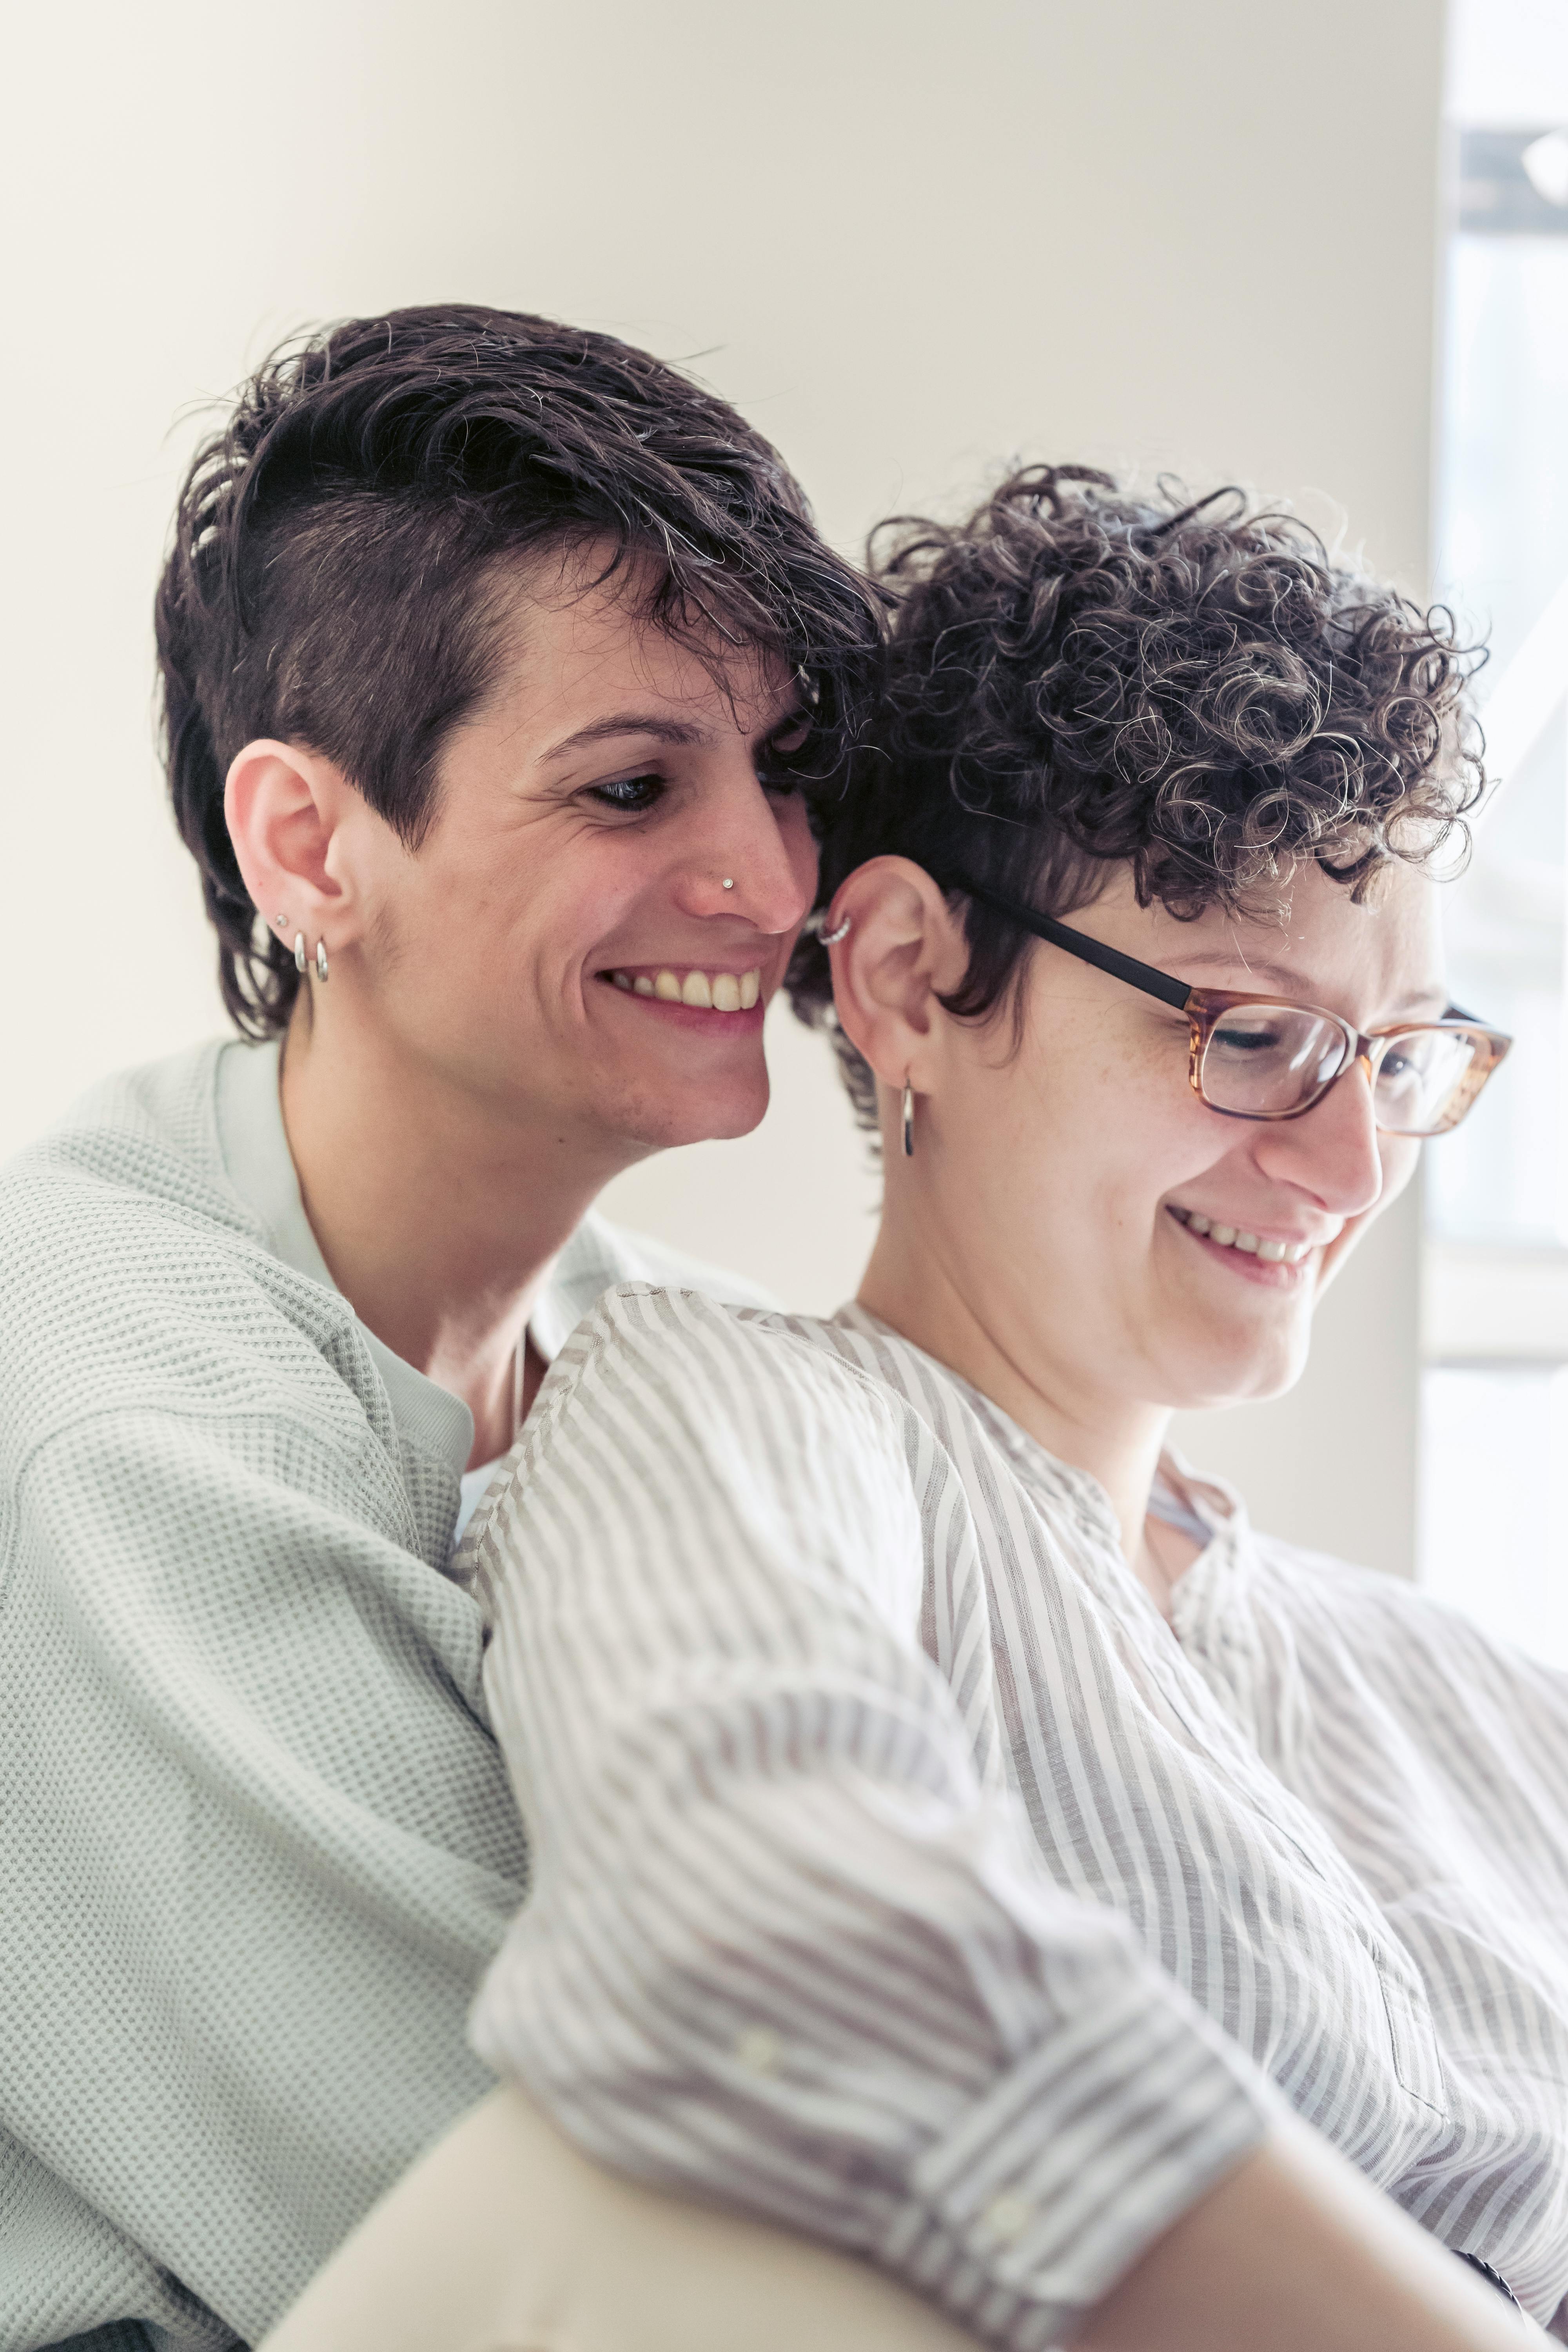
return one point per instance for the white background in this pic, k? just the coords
(910, 240)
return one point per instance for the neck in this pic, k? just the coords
(438, 1213)
(972, 1318)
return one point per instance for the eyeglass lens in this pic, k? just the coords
(1266, 1060)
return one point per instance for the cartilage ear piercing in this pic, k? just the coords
(909, 1120)
(831, 939)
(298, 950)
(320, 960)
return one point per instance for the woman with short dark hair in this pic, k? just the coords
(492, 650)
(956, 1833)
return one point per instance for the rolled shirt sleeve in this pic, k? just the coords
(787, 1945)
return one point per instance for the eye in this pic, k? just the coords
(632, 794)
(1256, 1037)
(779, 760)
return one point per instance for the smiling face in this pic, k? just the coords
(562, 949)
(1135, 1248)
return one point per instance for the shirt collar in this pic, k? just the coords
(1215, 1505)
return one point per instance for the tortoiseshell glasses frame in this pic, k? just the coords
(1441, 1065)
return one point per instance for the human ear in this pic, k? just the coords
(283, 807)
(904, 950)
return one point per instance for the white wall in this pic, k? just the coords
(910, 238)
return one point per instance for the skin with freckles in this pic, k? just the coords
(1038, 1240)
(474, 1071)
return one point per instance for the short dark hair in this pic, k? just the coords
(332, 573)
(1080, 678)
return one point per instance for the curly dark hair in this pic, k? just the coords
(339, 545)
(1080, 678)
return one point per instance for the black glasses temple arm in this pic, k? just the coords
(1045, 927)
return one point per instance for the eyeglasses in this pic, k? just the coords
(1258, 1057)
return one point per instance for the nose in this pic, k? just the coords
(1332, 1152)
(748, 853)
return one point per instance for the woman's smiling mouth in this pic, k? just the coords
(700, 990)
(1275, 1258)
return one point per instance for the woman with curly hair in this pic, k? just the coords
(955, 1834)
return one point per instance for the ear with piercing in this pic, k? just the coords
(831, 939)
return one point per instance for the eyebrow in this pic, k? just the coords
(662, 731)
(624, 722)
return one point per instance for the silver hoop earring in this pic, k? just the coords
(298, 950)
(831, 939)
(909, 1120)
(321, 960)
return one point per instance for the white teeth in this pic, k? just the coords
(718, 992)
(1227, 1238)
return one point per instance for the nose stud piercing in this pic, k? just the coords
(909, 1107)
(729, 882)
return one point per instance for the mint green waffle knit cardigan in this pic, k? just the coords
(256, 1841)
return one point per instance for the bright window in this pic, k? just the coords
(1494, 1534)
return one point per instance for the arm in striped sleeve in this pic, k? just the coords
(785, 1947)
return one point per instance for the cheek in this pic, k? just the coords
(799, 841)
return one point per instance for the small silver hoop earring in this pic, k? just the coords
(321, 960)
(298, 950)
(831, 939)
(909, 1120)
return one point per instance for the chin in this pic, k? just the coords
(1249, 1371)
(721, 1115)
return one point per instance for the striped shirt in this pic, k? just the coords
(899, 1873)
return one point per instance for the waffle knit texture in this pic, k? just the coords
(255, 1839)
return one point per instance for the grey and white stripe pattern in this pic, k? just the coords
(897, 1875)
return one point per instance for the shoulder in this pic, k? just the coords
(600, 1254)
(142, 1138)
(1371, 1627)
(684, 1445)
(696, 1406)
(133, 1275)
(680, 1342)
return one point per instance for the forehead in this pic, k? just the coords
(575, 640)
(1373, 959)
